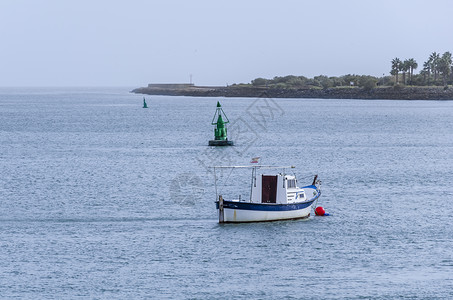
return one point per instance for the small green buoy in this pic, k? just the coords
(144, 103)
(220, 132)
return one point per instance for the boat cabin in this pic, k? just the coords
(278, 189)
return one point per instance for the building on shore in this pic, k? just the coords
(170, 85)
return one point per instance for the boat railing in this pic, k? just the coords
(251, 167)
(254, 168)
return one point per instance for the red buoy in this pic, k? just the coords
(319, 211)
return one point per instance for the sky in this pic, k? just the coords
(131, 43)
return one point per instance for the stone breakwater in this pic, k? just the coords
(391, 93)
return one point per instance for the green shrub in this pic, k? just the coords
(367, 82)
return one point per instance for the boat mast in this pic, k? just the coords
(283, 177)
(253, 180)
(215, 184)
(220, 199)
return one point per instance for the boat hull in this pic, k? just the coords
(242, 212)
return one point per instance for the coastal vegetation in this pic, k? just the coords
(432, 82)
(436, 71)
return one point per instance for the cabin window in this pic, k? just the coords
(291, 183)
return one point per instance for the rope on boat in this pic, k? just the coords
(317, 182)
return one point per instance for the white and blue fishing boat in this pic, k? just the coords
(273, 197)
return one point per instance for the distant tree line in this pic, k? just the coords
(319, 82)
(437, 70)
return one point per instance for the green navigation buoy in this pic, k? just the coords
(220, 132)
(144, 103)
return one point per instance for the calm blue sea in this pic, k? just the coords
(102, 199)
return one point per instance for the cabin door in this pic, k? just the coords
(269, 189)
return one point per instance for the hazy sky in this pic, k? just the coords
(133, 43)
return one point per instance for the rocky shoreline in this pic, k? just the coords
(390, 93)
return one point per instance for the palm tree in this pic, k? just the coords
(396, 67)
(412, 66)
(426, 70)
(424, 73)
(451, 73)
(444, 66)
(405, 67)
(434, 60)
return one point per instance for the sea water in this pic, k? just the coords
(102, 199)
